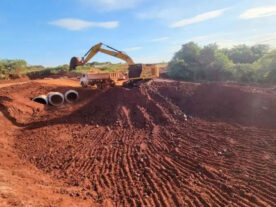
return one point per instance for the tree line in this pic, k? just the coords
(12, 69)
(242, 63)
(8, 67)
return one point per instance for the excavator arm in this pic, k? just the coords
(94, 50)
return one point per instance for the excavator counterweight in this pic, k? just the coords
(74, 62)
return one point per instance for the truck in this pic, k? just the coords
(101, 80)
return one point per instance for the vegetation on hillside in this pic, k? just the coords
(11, 68)
(242, 63)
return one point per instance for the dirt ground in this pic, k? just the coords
(165, 143)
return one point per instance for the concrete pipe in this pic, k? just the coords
(55, 98)
(71, 96)
(42, 99)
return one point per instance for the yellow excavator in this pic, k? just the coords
(136, 72)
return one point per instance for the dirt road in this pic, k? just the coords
(12, 84)
(58, 82)
(164, 144)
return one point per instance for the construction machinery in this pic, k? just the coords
(136, 72)
(101, 80)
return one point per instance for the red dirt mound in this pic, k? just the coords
(222, 102)
(137, 147)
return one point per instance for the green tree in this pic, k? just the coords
(189, 53)
(267, 68)
(259, 50)
(241, 54)
(219, 69)
(196, 64)
(246, 73)
(179, 70)
(185, 65)
(207, 54)
(244, 54)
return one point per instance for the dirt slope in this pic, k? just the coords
(163, 144)
(21, 183)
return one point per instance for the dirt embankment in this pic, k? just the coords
(21, 183)
(163, 144)
(224, 102)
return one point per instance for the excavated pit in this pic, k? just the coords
(164, 144)
(223, 102)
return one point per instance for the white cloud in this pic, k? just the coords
(78, 24)
(199, 18)
(160, 39)
(112, 4)
(132, 49)
(259, 12)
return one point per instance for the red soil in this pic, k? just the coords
(163, 144)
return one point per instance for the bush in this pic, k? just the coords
(12, 68)
(242, 63)
(267, 66)
(193, 63)
(178, 70)
(245, 73)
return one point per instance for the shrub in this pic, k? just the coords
(241, 63)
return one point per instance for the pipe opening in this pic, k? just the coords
(71, 96)
(56, 98)
(41, 99)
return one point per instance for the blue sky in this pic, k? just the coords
(50, 32)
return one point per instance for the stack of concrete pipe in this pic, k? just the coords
(57, 98)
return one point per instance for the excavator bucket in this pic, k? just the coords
(74, 62)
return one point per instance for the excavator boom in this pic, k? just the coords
(94, 50)
(119, 55)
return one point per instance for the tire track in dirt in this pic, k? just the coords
(138, 147)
